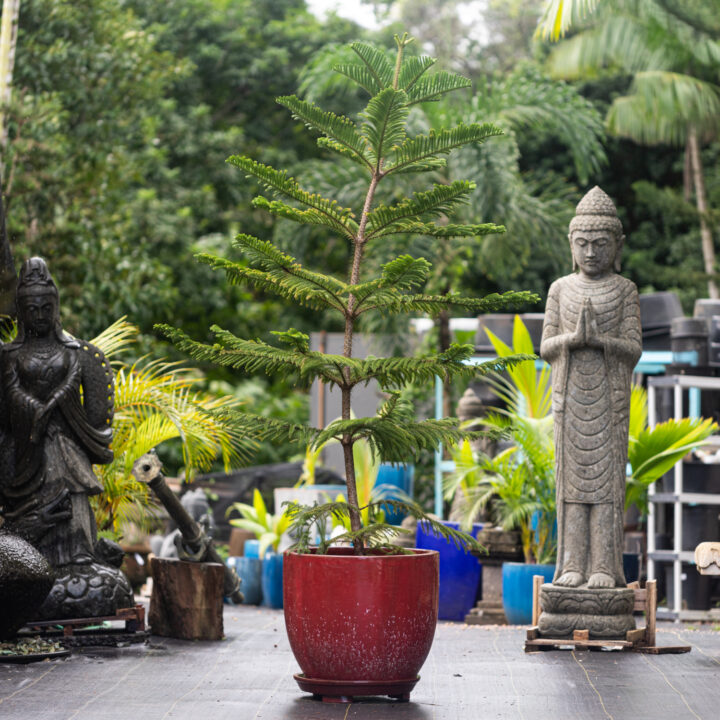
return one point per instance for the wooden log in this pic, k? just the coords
(650, 612)
(538, 580)
(187, 599)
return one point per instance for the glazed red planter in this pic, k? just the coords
(360, 625)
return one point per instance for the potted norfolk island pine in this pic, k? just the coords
(360, 618)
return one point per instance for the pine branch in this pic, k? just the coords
(384, 126)
(440, 200)
(305, 217)
(422, 148)
(413, 69)
(397, 372)
(360, 75)
(337, 128)
(410, 227)
(376, 535)
(263, 428)
(255, 355)
(393, 302)
(432, 87)
(377, 64)
(278, 181)
(281, 275)
(401, 274)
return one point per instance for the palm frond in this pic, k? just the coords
(662, 105)
(560, 15)
(116, 337)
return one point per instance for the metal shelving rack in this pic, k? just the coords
(694, 384)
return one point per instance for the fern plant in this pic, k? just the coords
(379, 142)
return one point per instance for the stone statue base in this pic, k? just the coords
(86, 591)
(606, 612)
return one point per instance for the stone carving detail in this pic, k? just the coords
(57, 395)
(592, 339)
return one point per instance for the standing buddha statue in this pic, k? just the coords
(592, 340)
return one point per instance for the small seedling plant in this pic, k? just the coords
(379, 141)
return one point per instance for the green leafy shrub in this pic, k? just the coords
(378, 142)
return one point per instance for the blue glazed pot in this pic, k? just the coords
(272, 579)
(517, 589)
(460, 572)
(395, 475)
(249, 570)
(252, 549)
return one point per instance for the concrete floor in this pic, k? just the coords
(473, 673)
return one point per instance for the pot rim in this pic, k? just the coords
(341, 553)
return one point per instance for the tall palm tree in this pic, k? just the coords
(672, 51)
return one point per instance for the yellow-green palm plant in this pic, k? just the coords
(268, 528)
(520, 481)
(526, 389)
(157, 401)
(652, 453)
(522, 478)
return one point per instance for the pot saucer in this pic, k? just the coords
(344, 691)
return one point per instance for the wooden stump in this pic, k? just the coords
(187, 599)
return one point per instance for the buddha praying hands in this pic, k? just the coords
(592, 339)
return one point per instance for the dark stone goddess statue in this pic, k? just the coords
(58, 411)
(592, 339)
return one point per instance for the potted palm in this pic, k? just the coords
(372, 632)
(267, 567)
(519, 483)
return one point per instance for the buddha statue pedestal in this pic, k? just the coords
(606, 613)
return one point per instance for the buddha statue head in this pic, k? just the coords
(596, 236)
(37, 298)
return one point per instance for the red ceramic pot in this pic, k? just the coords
(360, 625)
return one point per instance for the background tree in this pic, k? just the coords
(673, 54)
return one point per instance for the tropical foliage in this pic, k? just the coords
(652, 453)
(381, 144)
(672, 51)
(268, 528)
(518, 484)
(157, 402)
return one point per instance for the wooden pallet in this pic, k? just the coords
(133, 619)
(641, 640)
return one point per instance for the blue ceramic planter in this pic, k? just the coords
(517, 582)
(252, 549)
(272, 579)
(395, 475)
(249, 570)
(460, 573)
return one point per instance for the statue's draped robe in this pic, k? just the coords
(591, 398)
(57, 463)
